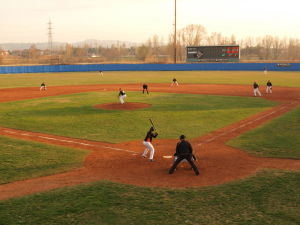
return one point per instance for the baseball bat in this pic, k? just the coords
(152, 124)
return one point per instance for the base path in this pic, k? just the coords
(217, 162)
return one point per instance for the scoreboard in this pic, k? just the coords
(216, 53)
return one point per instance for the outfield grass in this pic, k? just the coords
(24, 159)
(269, 198)
(174, 114)
(277, 138)
(288, 79)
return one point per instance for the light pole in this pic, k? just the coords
(175, 35)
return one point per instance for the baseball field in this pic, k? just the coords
(72, 154)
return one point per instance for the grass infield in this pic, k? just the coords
(270, 197)
(173, 114)
(277, 138)
(287, 79)
(24, 159)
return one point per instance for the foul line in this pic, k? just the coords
(243, 125)
(69, 141)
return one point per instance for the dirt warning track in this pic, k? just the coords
(217, 162)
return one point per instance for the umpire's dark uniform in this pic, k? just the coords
(184, 150)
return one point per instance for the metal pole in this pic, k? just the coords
(175, 36)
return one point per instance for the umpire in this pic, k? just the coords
(184, 150)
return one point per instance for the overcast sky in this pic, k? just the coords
(138, 20)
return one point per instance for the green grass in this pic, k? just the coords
(269, 198)
(278, 138)
(23, 159)
(74, 115)
(289, 79)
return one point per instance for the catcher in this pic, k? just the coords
(147, 142)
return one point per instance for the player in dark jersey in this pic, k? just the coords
(43, 87)
(121, 96)
(269, 87)
(145, 88)
(147, 142)
(256, 89)
(184, 150)
(174, 81)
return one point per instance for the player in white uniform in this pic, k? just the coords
(174, 81)
(147, 142)
(43, 87)
(265, 71)
(122, 95)
(269, 87)
(256, 89)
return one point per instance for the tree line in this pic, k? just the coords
(156, 50)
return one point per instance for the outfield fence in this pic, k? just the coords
(153, 67)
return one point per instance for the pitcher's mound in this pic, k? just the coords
(125, 106)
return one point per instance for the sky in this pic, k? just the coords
(139, 20)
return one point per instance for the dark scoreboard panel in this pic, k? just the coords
(220, 53)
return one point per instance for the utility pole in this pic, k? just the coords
(50, 37)
(175, 36)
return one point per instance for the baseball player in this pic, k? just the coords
(43, 87)
(147, 142)
(145, 87)
(174, 82)
(122, 95)
(100, 73)
(184, 150)
(269, 87)
(265, 70)
(256, 89)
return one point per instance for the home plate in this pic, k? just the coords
(167, 156)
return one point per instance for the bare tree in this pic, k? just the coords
(214, 39)
(192, 35)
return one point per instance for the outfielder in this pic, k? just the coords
(265, 70)
(269, 87)
(121, 96)
(147, 142)
(256, 89)
(100, 73)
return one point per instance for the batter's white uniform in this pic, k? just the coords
(149, 147)
(147, 143)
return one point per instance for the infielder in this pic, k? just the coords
(269, 87)
(174, 82)
(145, 88)
(147, 142)
(256, 89)
(43, 87)
(184, 150)
(121, 96)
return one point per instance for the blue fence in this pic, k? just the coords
(153, 67)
